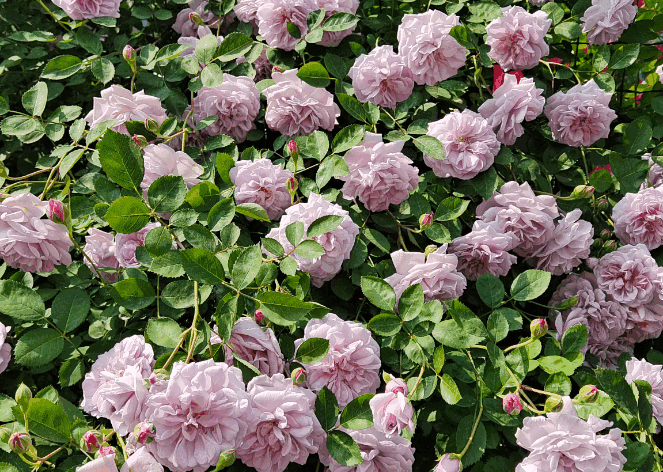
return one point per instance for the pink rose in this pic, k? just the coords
(100, 250)
(247, 12)
(122, 401)
(331, 7)
(28, 241)
(392, 413)
(381, 77)
(126, 244)
(141, 461)
(161, 160)
(606, 20)
(85, 9)
(396, 385)
(352, 365)
(517, 39)
(638, 218)
(430, 52)
(118, 103)
(447, 463)
(6, 349)
(102, 464)
(264, 183)
(655, 176)
(470, 145)
(186, 27)
(650, 373)
(273, 17)
(380, 174)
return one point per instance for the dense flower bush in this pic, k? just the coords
(331, 235)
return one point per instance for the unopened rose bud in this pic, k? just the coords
(610, 246)
(298, 376)
(582, 191)
(293, 150)
(597, 243)
(151, 124)
(569, 303)
(56, 211)
(292, 185)
(226, 459)
(449, 463)
(196, 18)
(129, 54)
(277, 69)
(20, 442)
(145, 432)
(397, 386)
(91, 441)
(139, 140)
(603, 204)
(512, 404)
(553, 404)
(105, 451)
(588, 394)
(606, 234)
(430, 249)
(259, 317)
(23, 396)
(538, 328)
(426, 220)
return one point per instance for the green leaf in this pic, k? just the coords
(310, 249)
(163, 332)
(127, 215)
(637, 137)
(206, 48)
(121, 159)
(630, 172)
(61, 67)
(498, 326)
(48, 420)
(103, 69)
(357, 414)
(323, 225)
(20, 302)
(315, 19)
(252, 210)
(294, 30)
(38, 347)
(574, 339)
(438, 359)
(312, 350)
(352, 106)
(133, 294)
(385, 324)
(530, 285)
(246, 267)
(645, 411)
(336, 65)
(430, 146)
(450, 333)
(601, 57)
(203, 266)
(614, 384)
(34, 100)
(478, 445)
(158, 241)
(326, 409)
(378, 292)
(221, 214)
(449, 390)
(624, 56)
(294, 232)
(317, 145)
(167, 193)
(273, 246)
(451, 208)
(554, 12)
(72, 372)
(558, 383)
(491, 290)
(554, 364)
(211, 76)
(179, 294)
(69, 308)
(315, 74)
(340, 22)
(283, 309)
(605, 81)
(348, 137)
(569, 30)
(343, 449)
(639, 456)
(18, 125)
(411, 302)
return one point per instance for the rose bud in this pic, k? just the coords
(151, 125)
(292, 148)
(588, 394)
(20, 442)
(129, 54)
(259, 317)
(139, 140)
(538, 328)
(512, 404)
(23, 396)
(196, 18)
(426, 220)
(553, 404)
(298, 376)
(56, 211)
(603, 204)
(449, 463)
(582, 191)
(605, 234)
(291, 185)
(226, 459)
(610, 246)
(91, 441)
(430, 250)
(145, 432)
(570, 303)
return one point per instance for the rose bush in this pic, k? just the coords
(331, 235)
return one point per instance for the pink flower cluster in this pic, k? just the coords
(264, 183)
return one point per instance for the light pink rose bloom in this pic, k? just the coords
(516, 209)
(255, 345)
(568, 246)
(437, 273)
(380, 174)
(484, 250)
(273, 17)
(392, 413)
(236, 104)
(381, 77)
(131, 356)
(283, 427)
(352, 365)
(606, 20)
(652, 374)
(512, 103)
(85, 9)
(564, 442)
(6, 349)
(448, 464)
(28, 241)
(100, 249)
(470, 145)
(655, 176)
(262, 182)
(126, 244)
(630, 275)
(337, 243)
(102, 464)
(430, 52)
(118, 103)
(247, 12)
(396, 385)
(331, 7)
(517, 39)
(185, 26)
(581, 116)
(141, 461)
(198, 414)
(659, 71)
(161, 160)
(645, 321)
(638, 218)
(122, 401)
(295, 108)
(379, 453)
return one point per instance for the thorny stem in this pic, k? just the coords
(29, 175)
(416, 384)
(542, 392)
(474, 430)
(516, 346)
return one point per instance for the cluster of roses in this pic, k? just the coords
(188, 419)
